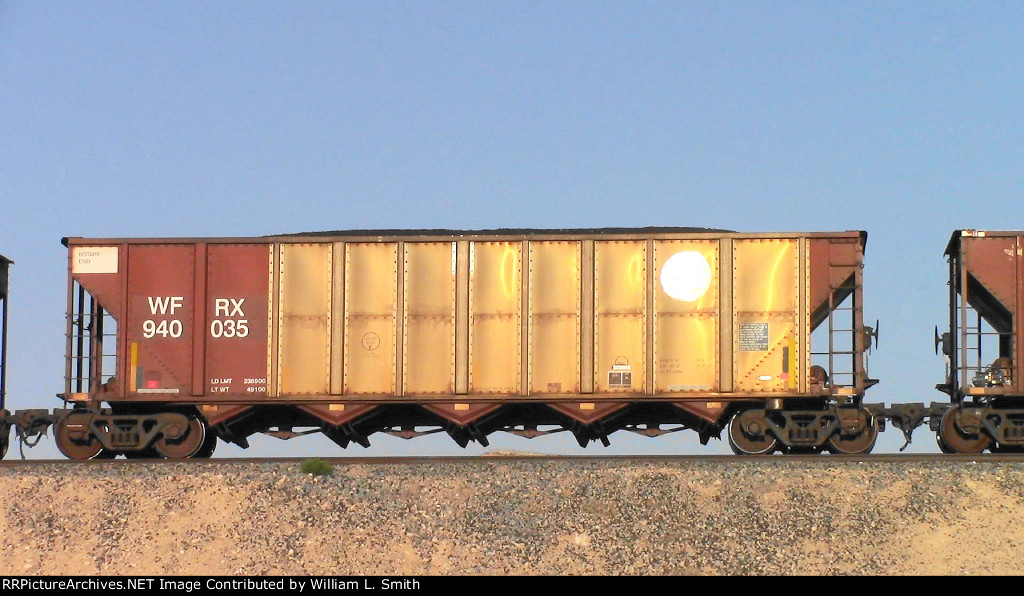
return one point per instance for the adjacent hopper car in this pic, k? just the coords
(5, 265)
(175, 344)
(984, 344)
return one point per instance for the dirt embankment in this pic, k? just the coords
(486, 516)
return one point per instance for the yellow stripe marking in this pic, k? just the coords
(133, 373)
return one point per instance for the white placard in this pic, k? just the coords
(94, 259)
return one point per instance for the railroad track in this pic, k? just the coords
(922, 458)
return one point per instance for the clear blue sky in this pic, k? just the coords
(250, 118)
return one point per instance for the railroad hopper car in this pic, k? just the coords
(983, 345)
(174, 343)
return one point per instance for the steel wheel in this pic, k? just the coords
(943, 447)
(956, 439)
(862, 442)
(208, 447)
(73, 439)
(186, 445)
(748, 436)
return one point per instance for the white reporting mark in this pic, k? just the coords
(686, 276)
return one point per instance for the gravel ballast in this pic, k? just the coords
(522, 517)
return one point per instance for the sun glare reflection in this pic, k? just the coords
(686, 276)
(509, 268)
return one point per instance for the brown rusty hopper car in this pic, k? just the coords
(984, 344)
(173, 343)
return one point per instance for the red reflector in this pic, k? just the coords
(152, 384)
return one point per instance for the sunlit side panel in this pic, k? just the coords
(371, 288)
(305, 309)
(620, 301)
(429, 317)
(554, 317)
(494, 311)
(766, 298)
(686, 311)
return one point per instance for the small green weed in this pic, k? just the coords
(317, 467)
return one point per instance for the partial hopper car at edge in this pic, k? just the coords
(983, 344)
(5, 265)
